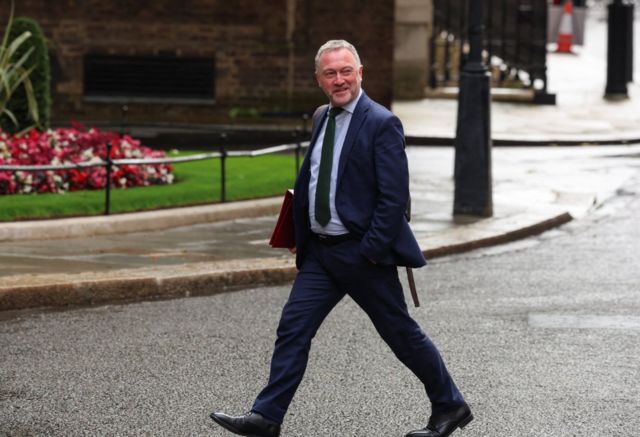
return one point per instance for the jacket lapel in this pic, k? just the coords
(317, 118)
(357, 119)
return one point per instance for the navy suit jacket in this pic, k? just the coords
(372, 190)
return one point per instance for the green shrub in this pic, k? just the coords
(40, 78)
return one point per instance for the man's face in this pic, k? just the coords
(339, 76)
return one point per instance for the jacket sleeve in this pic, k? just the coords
(392, 190)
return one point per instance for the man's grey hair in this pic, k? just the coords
(335, 44)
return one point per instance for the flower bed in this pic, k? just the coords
(72, 146)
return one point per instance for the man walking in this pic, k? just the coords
(351, 234)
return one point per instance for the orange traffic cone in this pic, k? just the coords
(565, 31)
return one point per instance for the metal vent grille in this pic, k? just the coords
(149, 77)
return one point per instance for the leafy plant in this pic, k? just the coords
(40, 78)
(14, 74)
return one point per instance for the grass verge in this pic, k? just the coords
(196, 183)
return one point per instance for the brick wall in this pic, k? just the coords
(258, 66)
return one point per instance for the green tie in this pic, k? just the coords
(323, 213)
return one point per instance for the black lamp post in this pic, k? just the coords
(472, 173)
(619, 49)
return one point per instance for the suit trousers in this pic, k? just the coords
(326, 275)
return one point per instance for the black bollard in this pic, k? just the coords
(472, 173)
(630, 17)
(619, 50)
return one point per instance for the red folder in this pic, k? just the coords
(283, 234)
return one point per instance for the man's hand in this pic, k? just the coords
(292, 250)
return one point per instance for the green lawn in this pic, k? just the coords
(196, 182)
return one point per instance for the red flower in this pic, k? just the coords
(75, 145)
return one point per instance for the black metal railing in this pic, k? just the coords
(515, 46)
(223, 154)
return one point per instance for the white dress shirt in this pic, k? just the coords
(335, 226)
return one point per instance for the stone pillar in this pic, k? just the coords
(414, 19)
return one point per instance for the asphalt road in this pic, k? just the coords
(542, 336)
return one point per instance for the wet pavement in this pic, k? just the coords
(531, 185)
(241, 238)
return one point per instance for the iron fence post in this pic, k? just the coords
(539, 68)
(305, 120)
(298, 134)
(302, 134)
(107, 184)
(123, 118)
(447, 45)
(223, 168)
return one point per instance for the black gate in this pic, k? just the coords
(515, 48)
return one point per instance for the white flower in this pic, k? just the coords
(87, 154)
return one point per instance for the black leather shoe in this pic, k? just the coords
(443, 425)
(250, 424)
